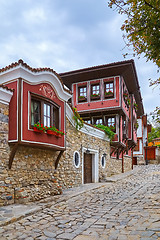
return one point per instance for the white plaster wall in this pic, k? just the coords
(139, 130)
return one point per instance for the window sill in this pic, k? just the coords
(109, 96)
(82, 99)
(95, 98)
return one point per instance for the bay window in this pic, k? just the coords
(45, 112)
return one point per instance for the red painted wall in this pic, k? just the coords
(99, 104)
(27, 134)
(13, 136)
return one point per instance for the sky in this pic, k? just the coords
(66, 35)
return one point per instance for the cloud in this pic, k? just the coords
(67, 35)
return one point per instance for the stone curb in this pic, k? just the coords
(68, 194)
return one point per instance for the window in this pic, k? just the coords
(35, 112)
(76, 159)
(103, 161)
(82, 94)
(88, 121)
(111, 123)
(44, 112)
(125, 128)
(95, 92)
(47, 115)
(109, 90)
(98, 121)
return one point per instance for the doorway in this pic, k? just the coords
(87, 168)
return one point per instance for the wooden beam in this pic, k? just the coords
(12, 154)
(122, 163)
(58, 158)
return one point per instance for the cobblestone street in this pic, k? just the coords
(125, 209)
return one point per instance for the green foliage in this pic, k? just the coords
(136, 125)
(39, 126)
(107, 130)
(108, 93)
(142, 26)
(43, 128)
(155, 133)
(79, 123)
(156, 115)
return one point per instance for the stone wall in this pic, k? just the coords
(6, 189)
(33, 175)
(127, 163)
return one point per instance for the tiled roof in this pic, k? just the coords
(35, 70)
(6, 88)
(98, 67)
(126, 69)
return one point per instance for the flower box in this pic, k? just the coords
(58, 135)
(108, 94)
(95, 97)
(82, 99)
(50, 132)
(37, 130)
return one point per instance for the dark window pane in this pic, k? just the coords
(35, 112)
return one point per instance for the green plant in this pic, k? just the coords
(107, 130)
(54, 129)
(108, 93)
(43, 128)
(112, 127)
(94, 95)
(128, 101)
(125, 95)
(39, 126)
(81, 97)
(136, 125)
(135, 106)
(79, 123)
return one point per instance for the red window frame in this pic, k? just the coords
(109, 89)
(112, 123)
(54, 112)
(82, 93)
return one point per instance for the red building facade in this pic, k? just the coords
(39, 96)
(109, 95)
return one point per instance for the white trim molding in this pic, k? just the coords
(36, 78)
(87, 129)
(5, 96)
(95, 167)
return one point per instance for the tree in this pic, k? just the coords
(156, 116)
(155, 133)
(142, 26)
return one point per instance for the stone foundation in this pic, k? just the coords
(33, 175)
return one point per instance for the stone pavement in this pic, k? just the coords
(126, 208)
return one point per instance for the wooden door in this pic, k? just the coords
(150, 153)
(134, 160)
(87, 168)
